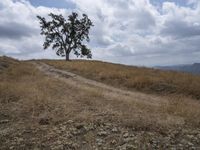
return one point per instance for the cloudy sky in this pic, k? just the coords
(134, 32)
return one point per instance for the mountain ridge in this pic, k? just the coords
(188, 68)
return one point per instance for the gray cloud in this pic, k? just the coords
(14, 30)
(130, 32)
(144, 20)
(180, 29)
(120, 50)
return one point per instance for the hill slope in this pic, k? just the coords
(152, 81)
(47, 108)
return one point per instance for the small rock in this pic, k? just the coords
(183, 141)
(190, 144)
(130, 147)
(99, 142)
(102, 133)
(190, 136)
(4, 121)
(12, 147)
(114, 130)
(108, 125)
(75, 133)
(58, 131)
(19, 140)
(195, 139)
(127, 147)
(180, 145)
(70, 121)
(63, 128)
(59, 142)
(125, 135)
(113, 142)
(74, 145)
(69, 145)
(84, 142)
(58, 147)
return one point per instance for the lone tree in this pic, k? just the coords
(66, 35)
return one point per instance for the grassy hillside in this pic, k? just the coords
(39, 111)
(135, 78)
(25, 93)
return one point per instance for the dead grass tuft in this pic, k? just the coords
(187, 109)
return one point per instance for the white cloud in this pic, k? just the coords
(131, 31)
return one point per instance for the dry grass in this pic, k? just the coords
(187, 109)
(29, 96)
(135, 78)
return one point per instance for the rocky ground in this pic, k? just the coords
(106, 136)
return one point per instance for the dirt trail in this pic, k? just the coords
(106, 90)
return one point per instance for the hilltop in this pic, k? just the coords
(96, 105)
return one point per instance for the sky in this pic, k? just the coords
(133, 32)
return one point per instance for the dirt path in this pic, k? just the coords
(106, 90)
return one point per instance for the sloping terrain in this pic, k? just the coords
(146, 80)
(47, 108)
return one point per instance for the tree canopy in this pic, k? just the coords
(67, 35)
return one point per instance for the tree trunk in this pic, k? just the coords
(67, 57)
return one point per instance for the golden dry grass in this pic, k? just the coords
(135, 78)
(27, 94)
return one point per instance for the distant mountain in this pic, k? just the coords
(190, 68)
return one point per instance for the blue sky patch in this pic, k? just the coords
(177, 2)
(53, 3)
